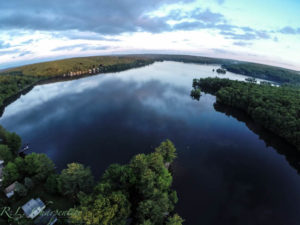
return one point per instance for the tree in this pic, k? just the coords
(167, 150)
(175, 220)
(21, 190)
(13, 141)
(74, 179)
(51, 184)
(28, 183)
(105, 210)
(39, 166)
(20, 163)
(11, 173)
(5, 153)
(140, 190)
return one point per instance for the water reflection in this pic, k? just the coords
(225, 174)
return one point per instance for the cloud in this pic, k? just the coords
(95, 20)
(77, 35)
(8, 52)
(289, 30)
(242, 43)
(25, 53)
(207, 16)
(246, 36)
(81, 47)
(4, 45)
(104, 17)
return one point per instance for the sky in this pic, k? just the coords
(250, 30)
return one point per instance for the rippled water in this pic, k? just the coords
(224, 174)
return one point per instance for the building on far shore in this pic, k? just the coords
(33, 208)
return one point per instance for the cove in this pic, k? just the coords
(225, 173)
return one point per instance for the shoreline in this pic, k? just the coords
(62, 78)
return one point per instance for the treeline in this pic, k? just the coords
(65, 66)
(275, 108)
(11, 85)
(272, 73)
(266, 72)
(138, 193)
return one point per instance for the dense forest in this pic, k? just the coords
(11, 85)
(271, 73)
(275, 108)
(138, 193)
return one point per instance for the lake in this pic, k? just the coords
(227, 172)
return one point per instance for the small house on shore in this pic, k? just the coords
(10, 190)
(33, 208)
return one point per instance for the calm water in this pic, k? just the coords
(225, 174)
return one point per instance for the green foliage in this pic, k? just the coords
(51, 184)
(74, 179)
(196, 93)
(220, 70)
(5, 153)
(12, 140)
(266, 72)
(140, 190)
(11, 85)
(28, 183)
(167, 150)
(10, 173)
(21, 190)
(38, 166)
(275, 108)
(111, 209)
(175, 220)
(20, 163)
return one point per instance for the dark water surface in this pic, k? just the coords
(225, 173)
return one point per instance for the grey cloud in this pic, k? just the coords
(207, 16)
(94, 19)
(189, 26)
(289, 30)
(105, 17)
(242, 43)
(25, 53)
(8, 52)
(246, 36)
